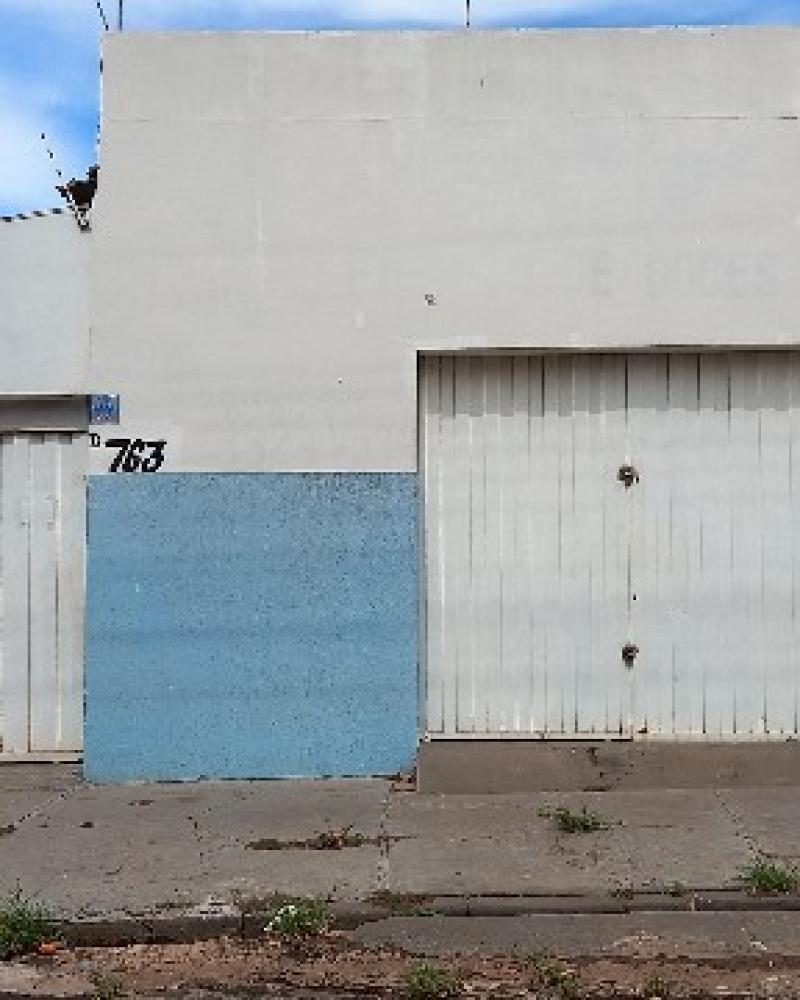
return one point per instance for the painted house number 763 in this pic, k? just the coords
(136, 455)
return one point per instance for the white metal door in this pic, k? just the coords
(527, 540)
(716, 543)
(541, 564)
(42, 531)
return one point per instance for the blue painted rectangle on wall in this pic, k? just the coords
(255, 625)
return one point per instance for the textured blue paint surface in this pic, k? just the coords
(251, 625)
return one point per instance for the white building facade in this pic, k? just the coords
(44, 444)
(459, 395)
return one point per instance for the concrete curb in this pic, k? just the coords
(182, 929)
(706, 902)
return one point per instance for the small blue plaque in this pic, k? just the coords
(103, 409)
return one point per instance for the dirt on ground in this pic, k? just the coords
(332, 966)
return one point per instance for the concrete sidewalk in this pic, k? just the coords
(103, 852)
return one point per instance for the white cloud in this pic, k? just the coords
(80, 15)
(147, 13)
(151, 13)
(74, 15)
(27, 176)
(68, 16)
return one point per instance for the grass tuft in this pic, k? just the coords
(24, 924)
(569, 821)
(656, 988)
(302, 918)
(770, 877)
(431, 982)
(557, 977)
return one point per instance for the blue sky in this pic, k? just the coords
(49, 53)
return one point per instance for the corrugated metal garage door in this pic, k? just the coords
(42, 531)
(579, 504)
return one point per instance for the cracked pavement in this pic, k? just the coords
(109, 851)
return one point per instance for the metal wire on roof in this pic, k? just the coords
(35, 214)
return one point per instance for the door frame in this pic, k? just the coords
(45, 413)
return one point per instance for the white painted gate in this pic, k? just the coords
(42, 532)
(542, 563)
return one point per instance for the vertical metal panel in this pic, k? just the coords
(74, 456)
(743, 475)
(603, 534)
(433, 632)
(42, 531)
(715, 623)
(43, 612)
(647, 431)
(14, 452)
(779, 650)
(541, 564)
(518, 549)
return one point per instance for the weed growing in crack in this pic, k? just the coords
(768, 876)
(335, 840)
(328, 840)
(569, 821)
(656, 988)
(267, 844)
(303, 918)
(557, 977)
(24, 924)
(431, 982)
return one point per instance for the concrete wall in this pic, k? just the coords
(251, 625)
(277, 211)
(44, 305)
